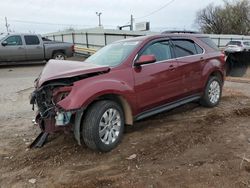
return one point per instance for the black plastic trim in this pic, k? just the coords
(167, 107)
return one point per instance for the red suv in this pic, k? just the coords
(124, 82)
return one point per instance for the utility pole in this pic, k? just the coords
(7, 25)
(99, 15)
(131, 23)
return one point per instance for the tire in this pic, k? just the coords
(59, 56)
(98, 131)
(212, 93)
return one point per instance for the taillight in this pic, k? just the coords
(73, 48)
(223, 57)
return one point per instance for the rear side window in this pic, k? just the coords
(31, 40)
(208, 41)
(161, 50)
(184, 48)
(198, 49)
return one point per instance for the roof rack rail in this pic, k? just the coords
(180, 31)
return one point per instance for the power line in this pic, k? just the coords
(43, 23)
(53, 24)
(153, 12)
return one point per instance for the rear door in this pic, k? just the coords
(190, 57)
(157, 83)
(34, 47)
(14, 50)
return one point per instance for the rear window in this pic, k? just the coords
(208, 41)
(45, 39)
(238, 43)
(31, 40)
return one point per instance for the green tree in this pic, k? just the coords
(231, 18)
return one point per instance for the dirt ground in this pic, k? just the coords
(190, 146)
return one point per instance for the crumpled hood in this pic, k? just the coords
(56, 69)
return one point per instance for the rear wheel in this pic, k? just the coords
(212, 93)
(103, 126)
(59, 56)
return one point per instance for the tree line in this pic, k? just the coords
(233, 17)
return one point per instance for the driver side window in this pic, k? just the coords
(161, 50)
(14, 41)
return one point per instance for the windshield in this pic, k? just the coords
(113, 54)
(2, 36)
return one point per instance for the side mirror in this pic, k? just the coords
(145, 59)
(4, 43)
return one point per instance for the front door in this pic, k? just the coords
(14, 50)
(157, 83)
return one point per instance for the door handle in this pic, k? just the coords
(202, 60)
(20, 48)
(171, 67)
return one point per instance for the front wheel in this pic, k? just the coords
(103, 126)
(212, 93)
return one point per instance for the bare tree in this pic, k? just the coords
(232, 18)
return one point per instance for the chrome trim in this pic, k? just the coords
(163, 61)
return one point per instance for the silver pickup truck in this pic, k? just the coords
(32, 47)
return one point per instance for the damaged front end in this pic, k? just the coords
(49, 116)
(53, 86)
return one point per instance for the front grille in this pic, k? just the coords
(44, 102)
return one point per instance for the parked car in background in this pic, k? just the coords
(124, 82)
(237, 46)
(31, 47)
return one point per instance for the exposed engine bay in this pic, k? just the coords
(50, 117)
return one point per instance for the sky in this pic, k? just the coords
(45, 16)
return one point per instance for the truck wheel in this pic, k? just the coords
(103, 126)
(59, 56)
(212, 93)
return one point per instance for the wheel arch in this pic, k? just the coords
(80, 114)
(128, 114)
(218, 74)
(58, 51)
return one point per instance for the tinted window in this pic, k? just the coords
(45, 39)
(209, 42)
(31, 40)
(14, 41)
(198, 49)
(246, 43)
(237, 43)
(184, 48)
(161, 50)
